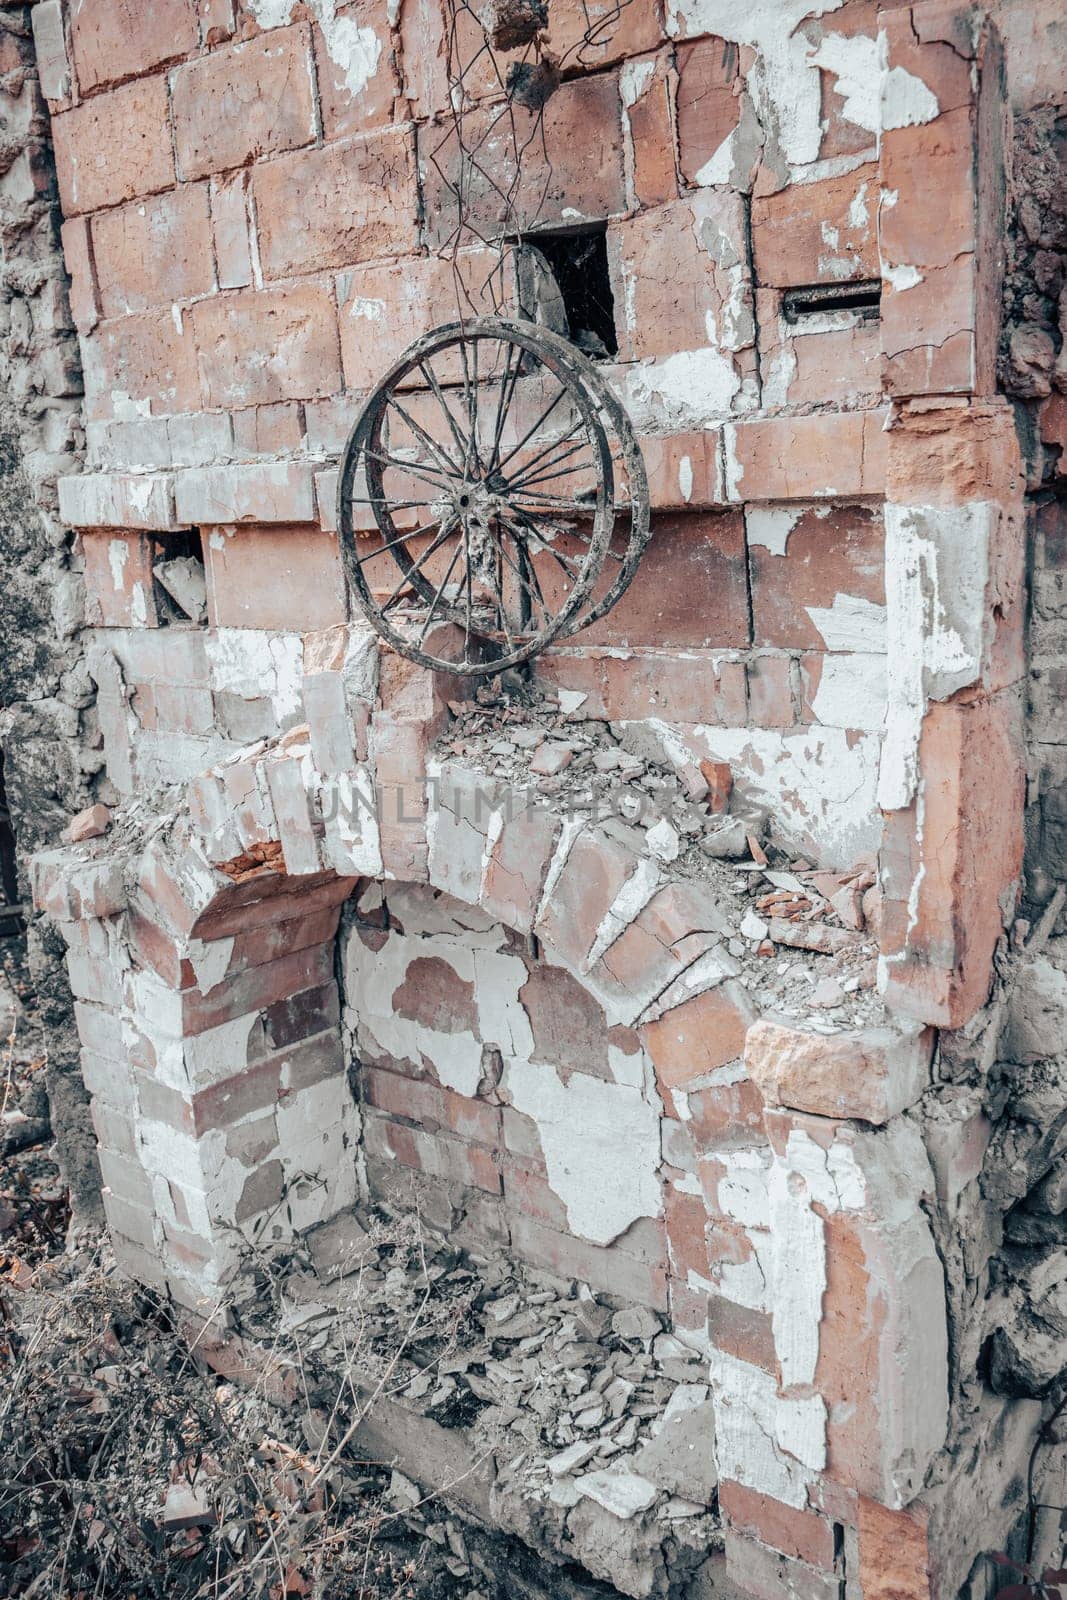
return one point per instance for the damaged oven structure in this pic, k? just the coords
(664, 967)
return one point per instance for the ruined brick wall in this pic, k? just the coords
(52, 760)
(260, 214)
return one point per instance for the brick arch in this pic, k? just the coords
(201, 949)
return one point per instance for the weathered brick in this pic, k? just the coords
(768, 1575)
(708, 109)
(597, 866)
(623, 687)
(269, 430)
(256, 348)
(50, 47)
(646, 86)
(831, 358)
(821, 232)
(357, 89)
(274, 577)
(244, 101)
(231, 229)
(437, 1155)
(78, 259)
(140, 362)
(118, 580)
(830, 455)
(698, 1035)
(582, 115)
(271, 493)
(800, 1534)
(154, 252)
(114, 147)
(115, 39)
(610, 1270)
(117, 500)
(682, 277)
(344, 203)
(519, 861)
(383, 307)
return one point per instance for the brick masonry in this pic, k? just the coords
(259, 217)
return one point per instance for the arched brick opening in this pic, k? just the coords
(790, 1248)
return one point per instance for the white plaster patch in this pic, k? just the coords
(855, 64)
(209, 961)
(901, 278)
(355, 50)
(770, 526)
(601, 1143)
(767, 1443)
(851, 623)
(118, 554)
(782, 80)
(682, 390)
(852, 692)
(634, 79)
(937, 563)
(906, 100)
(685, 479)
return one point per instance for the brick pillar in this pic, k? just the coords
(951, 784)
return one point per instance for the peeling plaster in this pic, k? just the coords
(937, 562)
(355, 50)
(771, 1444)
(681, 391)
(852, 692)
(770, 526)
(851, 623)
(601, 1143)
(855, 63)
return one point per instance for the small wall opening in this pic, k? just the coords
(864, 297)
(180, 580)
(578, 262)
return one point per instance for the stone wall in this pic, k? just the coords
(573, 1039)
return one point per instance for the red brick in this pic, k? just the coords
(740, 1332)
(272, 577)
(429, 1105)
(154, 252)
(341, 204)
(725, 1115)
(658, 944)
(833, 358)
(699, 1035)
(676, 268)
(231, 231)
(831, 454)
(820, 232)
(770, 692)
(596, 869)
(263, 346)
(518, 863)
(437, 1155)
(620, 688)
(400, 749)
(273, 983)
(113, 147)
(708, 103)
(800, 1534)
(50, 49)
(582, 116)
(894, 1553)
(78, 260)
(385, 306)
(592, 33)
(684, 470)
(691, 590)
(944, 879)
(839, 553)
(527, 1193)
(120, 588)
(686, 1220)
(568, 1024)
(139, 359)
(764, 1574)
(244, 101)
(114, 39)
(269, 430)
(345, 112)
(653, 153)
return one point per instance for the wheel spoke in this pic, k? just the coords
(431, 378)
(418, 468)
(442, 535)
(547, 477)
(530, 432)
(569, 565)
(444, 460)
(538, 459)
(442, 586)
(381, 549)
(504, 406)
(534, 593)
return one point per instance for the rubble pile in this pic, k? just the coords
(806, 937)
(575, 1402)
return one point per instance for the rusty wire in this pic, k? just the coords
(510, 224)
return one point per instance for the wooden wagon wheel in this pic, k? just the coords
(482, 453)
